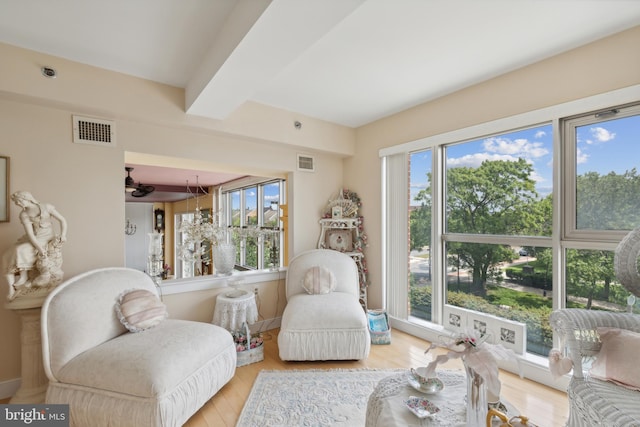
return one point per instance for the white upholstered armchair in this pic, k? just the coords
(111, 377)
(323, 319)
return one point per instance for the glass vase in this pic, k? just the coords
(155, 261)
(224, 258)
(477, 406)
(155, 244)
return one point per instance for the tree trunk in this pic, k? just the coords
(607, 288)
(477, 284)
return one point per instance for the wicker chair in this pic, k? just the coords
(594, 402)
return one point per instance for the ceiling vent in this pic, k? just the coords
(87, 130)
(306, 163)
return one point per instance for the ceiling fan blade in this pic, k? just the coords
(143, 190)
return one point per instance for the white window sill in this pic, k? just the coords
(201, 283)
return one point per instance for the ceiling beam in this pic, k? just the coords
(254, 46)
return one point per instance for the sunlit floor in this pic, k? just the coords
(545, 406)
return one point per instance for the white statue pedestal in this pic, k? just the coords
(34, 381)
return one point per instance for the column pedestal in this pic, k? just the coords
(34, 381)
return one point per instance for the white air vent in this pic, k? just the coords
(306, 163)
(87, 130)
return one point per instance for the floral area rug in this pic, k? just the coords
(335, 397)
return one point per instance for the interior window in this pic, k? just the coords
(254, 212)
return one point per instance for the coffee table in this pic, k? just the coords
(386, 407)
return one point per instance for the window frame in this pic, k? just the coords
(567, 129)
(395, 239)
(226, 208)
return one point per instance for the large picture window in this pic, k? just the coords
(503, 227)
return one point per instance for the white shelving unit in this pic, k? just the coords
(343, 234)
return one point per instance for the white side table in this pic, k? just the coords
(234, 308)
(386, 407)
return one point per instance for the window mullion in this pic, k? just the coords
(437, 248)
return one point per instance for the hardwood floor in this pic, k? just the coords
(545, 406)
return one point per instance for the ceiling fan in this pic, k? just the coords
(139, 190)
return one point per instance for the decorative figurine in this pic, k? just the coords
(35, 260)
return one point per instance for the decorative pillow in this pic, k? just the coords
(139, 309)
(617, 359)
(319, 280)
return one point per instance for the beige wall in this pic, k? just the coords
(200, 305)
(85, 182)
(609, 64)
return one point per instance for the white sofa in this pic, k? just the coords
(330, 326)
(594, 402)
(111, 377)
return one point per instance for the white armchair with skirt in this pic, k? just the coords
(323, 319)
(110, 353)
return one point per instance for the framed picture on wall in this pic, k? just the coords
(4, 189)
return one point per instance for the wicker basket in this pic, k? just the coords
(250, 356)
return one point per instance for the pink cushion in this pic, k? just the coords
(139, 309)
(617, 360)
(319, 280)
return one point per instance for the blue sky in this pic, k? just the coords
(271, 193)
(603, 147)
(609, 146)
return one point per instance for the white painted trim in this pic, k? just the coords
(9, 388)
(396, 258)
(266, 325)
(177, 286)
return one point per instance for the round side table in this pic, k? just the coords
(234, 308)
(386, 407)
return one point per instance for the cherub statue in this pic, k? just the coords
(36, 258)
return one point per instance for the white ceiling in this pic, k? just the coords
(345, 61)
(349, 62)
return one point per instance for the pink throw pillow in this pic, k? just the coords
(139, 309)
(617, 360)
(319, 280)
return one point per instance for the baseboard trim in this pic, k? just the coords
(265, 325)
(9, 388)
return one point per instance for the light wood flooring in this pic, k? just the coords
(545, 406)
